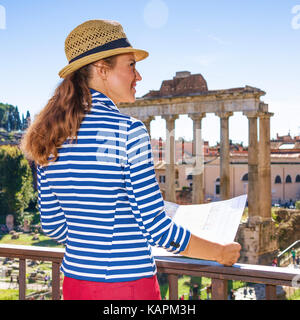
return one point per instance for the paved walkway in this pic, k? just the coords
(257, 291)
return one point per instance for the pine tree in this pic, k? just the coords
(17, 120)
(27, 120)
(23, 122)
(10, 117)
(3, 115)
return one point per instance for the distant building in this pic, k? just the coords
(184, 83)
(285, 168)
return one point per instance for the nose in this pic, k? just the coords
(137, 76)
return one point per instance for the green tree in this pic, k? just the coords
(17, 121)
(16, 189)
(26, 121)
(10, 119)
(4, 112)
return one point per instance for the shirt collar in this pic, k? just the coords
(100, 101)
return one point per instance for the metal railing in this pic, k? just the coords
(285, 252)
(173, 266)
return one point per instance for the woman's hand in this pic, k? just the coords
(200, 248)
(229, 254)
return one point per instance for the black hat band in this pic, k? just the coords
(115, 44)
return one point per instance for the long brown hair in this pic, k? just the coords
(60, 119)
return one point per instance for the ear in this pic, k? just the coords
(101, 69)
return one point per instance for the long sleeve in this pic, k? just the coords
(145, 196)
(52, 216)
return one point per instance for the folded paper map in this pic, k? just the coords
(215, 221)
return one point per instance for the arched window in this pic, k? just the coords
(297, 178)
(277, 179)
(162, 179)
(245, 177)
(288, 179)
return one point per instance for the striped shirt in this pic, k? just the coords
(102, 200)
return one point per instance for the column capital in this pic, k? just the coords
(197, 116)
(265, 115)
(146, 118)
(251, 114)
(263, 107)
(224, 114)
(170, 117)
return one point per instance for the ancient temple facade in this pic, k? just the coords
(188, 94)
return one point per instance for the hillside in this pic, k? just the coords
(11, 138)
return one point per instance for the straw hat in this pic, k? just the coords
(94, 40)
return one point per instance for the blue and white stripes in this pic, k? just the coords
(101, 198)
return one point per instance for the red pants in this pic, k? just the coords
(142, 289)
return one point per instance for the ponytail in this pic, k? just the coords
(60, 119)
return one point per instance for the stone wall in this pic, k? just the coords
(259, 242)
(288, 230)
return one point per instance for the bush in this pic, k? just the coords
(16, 182)
(15, 178)
(33, 218)
(297, 205)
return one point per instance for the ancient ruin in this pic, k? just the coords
(189, 94)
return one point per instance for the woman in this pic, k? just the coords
(96, 182)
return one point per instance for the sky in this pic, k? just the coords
(232, 43)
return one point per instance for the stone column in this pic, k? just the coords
(264, 165)
(224, 155)
(146, 122)
(253, 182)
(257, 234)
(170, 193)
(198, 195)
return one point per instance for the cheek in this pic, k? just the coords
(120, 81)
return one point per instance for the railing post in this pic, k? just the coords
(55, 280)
(22, 279)
(219, 289)
(271, 292)
(173, 286)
